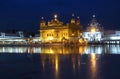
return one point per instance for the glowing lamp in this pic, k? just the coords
(51, 38)
(93, 30)
(55, 16)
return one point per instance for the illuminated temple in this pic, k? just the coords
(56, 31)
(71, 33)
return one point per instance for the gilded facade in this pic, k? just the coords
(56, 32)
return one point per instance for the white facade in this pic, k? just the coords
(92, 36)
(93, 32)
(19, 34)
(115, 35)
(10, 38)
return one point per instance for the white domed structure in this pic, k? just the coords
(94, 31)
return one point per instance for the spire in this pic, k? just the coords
(94, 21)
(42, 18)
(73, 19)
(73, 15)
(55, 17)
(42, 23)
(55, 21)
(94, 16)
(94, 25)
(78, 20)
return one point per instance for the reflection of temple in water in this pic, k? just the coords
(107, 49)
(56, 61)
(73, 50)
(60, 50)
(70, 62)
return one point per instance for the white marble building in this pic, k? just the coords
(93, 32)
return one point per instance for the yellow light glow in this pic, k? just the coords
(93, 60)
(81, 41)
(81, 49)
(56, 64)
(51, 38)
(93, 64)
(73, 34)
(93, 56)
(93, 30)
(51, 51)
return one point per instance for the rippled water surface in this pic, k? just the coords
(57, 62)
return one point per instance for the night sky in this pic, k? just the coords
(25, 14)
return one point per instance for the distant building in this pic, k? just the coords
(111, 36)
(36, 39)
(12, 38)
(19, 34)
(56, 31)
(94, 31)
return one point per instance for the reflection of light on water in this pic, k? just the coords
(51, 51)
(93, 56)
(81, 49)
(48, 51)
(114, 49)
(11, 50)
(30, 50)
(73, 62)
(98, 49)
(43, 61)
(86, 50)
(93, 59)
(78, 62)
(56, 64)
(53, 60)
(3, 49)
(93, 64)
(37, 50)
(21, 50)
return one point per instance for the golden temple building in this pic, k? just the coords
(56, 32)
